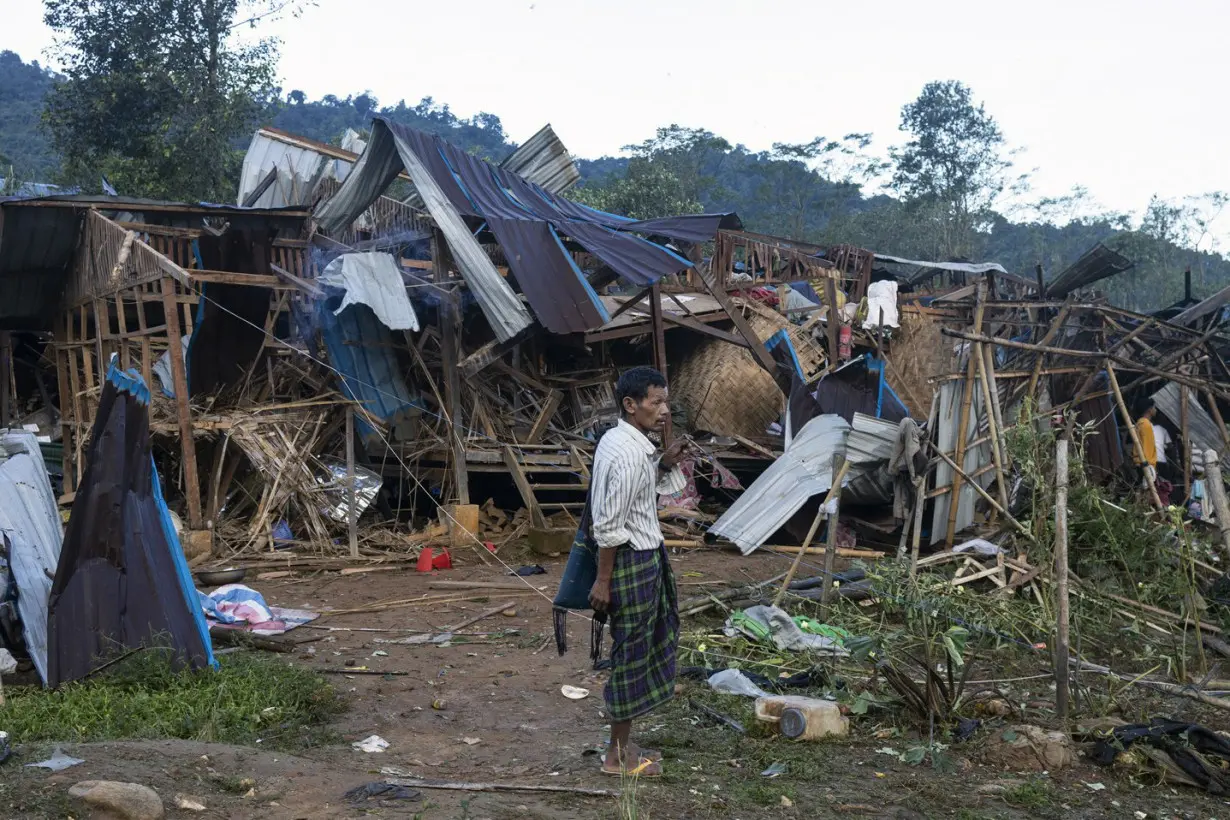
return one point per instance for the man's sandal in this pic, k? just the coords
(644, 768)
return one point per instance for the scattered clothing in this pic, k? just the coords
(1198, 752)
(381, 791)
(236, 606)
(525, 572)
(645, 633)
(1161, 440)
(905, 465)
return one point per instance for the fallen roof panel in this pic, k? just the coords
(1094, 265)
(805, 469)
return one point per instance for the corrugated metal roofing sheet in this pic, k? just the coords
(803, 470)
(30, 521)
(1094, 265)
(946, 425)
(526, 219)
(298, 168)
(1200, 425)
(373, 279)
(544, 160)
(1203, 308)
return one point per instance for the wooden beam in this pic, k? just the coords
(659, 344)
(759, 352)
(450, 353)
(477, 361)
(179, 376)
(302, 284)
(537, 519)
(544, 418)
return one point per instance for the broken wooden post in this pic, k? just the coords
(830, 540)
(1062, 690)
(1185, 440)
(1217, 490)
(179, 378)
(838, 476)
(450, 357)
(352, 517)
(1131, 427)
(659, 345)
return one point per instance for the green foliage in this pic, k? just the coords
(249, 697)
(23, 150)
(648, 190)
(158, 96)
(953, 163)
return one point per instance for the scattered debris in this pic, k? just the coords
(1027, 748)
(371, 744)
(734, 682)
(380, 790)
(800, 718)
(574, 692)
(58, 762)
(187, 803)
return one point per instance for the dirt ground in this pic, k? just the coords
(489, 709)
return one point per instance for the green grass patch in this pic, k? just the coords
(1033, 794)
(249, 697)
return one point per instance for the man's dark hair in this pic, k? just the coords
(635, 384)
(1144, 405)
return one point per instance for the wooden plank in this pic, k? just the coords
(537, 519)
(230, 278)
(122, 321)
(759, 352)
(352, 517)
(179, 378)
(544, 417)
(67, 420)
(659, 344)
(474, 364)
(300, 284)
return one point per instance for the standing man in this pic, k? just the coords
(634, 583)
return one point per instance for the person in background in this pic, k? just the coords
(1163, 443)
(634, 584)
(1146, 457)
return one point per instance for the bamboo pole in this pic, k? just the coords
(967, 395)
(916, 536)
(1217, 489)
(1021, 528)
(1046, 339)
(1185, 440)
(838, 476)
(1127, 420)
(352, 519)
(988, 353)
(830, 541)
(1062, 689)
(997, 455)
(1221, 424)
(1178, 378)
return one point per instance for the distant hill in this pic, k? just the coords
(22, 145)
(772, 195)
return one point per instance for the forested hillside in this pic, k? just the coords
(850, 188)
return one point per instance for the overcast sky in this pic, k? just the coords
(1126, 97)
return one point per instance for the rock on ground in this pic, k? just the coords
(123, 801)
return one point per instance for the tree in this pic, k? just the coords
(954, 164)
(648, 190)
(693, 156)
(158, 95)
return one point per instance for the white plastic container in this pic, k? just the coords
(800, 718)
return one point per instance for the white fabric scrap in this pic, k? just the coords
(980, 546)
(373, 279)
(881, 298)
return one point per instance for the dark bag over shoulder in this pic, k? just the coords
(580, 573)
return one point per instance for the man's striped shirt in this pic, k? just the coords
(626, 483)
